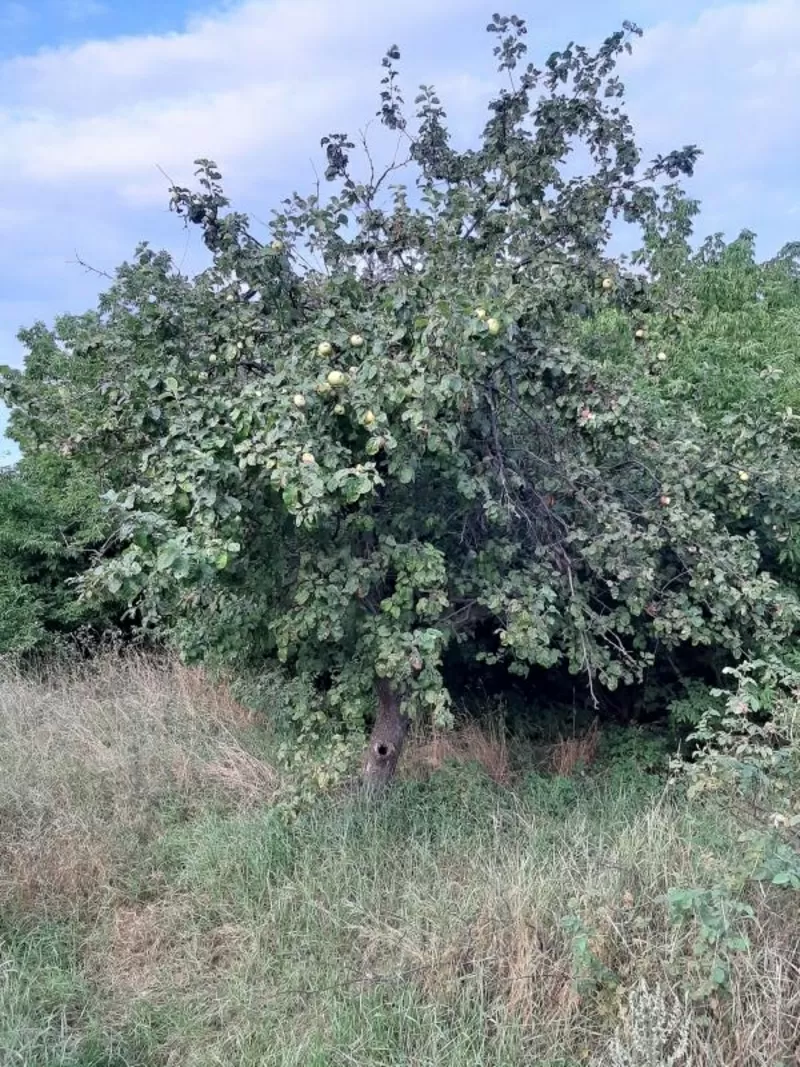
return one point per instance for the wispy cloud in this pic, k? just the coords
(85, 128)
(732, 77)
(14, 16)
(254, 84)
(79, 10)
(729, 81)
(258, 77)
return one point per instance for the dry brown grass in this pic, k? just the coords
(572, 753)
(62, 865)
(468, 742)
(157, 949)
(89, 753)
(497, 934)
(515, 958)
(237, 772)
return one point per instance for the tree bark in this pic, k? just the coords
(386, 740)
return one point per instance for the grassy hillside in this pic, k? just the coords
(156, 907)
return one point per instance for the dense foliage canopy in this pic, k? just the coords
(438, 418)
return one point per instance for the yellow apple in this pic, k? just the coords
(277, 246)
(607, 284)
(369, 418)
(299, 400)
(324, 349)
(744, 476)
(336, 379)
(640, 335)
(356, 340)
(493, 326)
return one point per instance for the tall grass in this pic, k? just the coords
(157, 909)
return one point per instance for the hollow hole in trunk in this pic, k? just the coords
(383, 750)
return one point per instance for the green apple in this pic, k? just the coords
(299, 400)
(324, 349)
(493, 326)
(339, 409)
(368, 419)
(356, 340)
(607, 284)
(336, 379)
(308, 458)
(323, 388)
(480, 312)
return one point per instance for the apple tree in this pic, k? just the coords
(370, 438)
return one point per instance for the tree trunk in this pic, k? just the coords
(386, 740)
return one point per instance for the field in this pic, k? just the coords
(158, 908)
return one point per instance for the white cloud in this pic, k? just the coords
(254, 85)
(261, 75)
(730, 82)
(118, 145)
(84, 129)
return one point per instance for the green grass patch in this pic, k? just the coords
(460, 922)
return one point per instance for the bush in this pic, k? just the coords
(51, 524)
(748, 757)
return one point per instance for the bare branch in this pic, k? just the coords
(93, 270)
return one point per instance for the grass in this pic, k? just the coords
(157, 909)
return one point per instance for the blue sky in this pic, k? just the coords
(98, 94)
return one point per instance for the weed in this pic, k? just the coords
(655, 1031)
